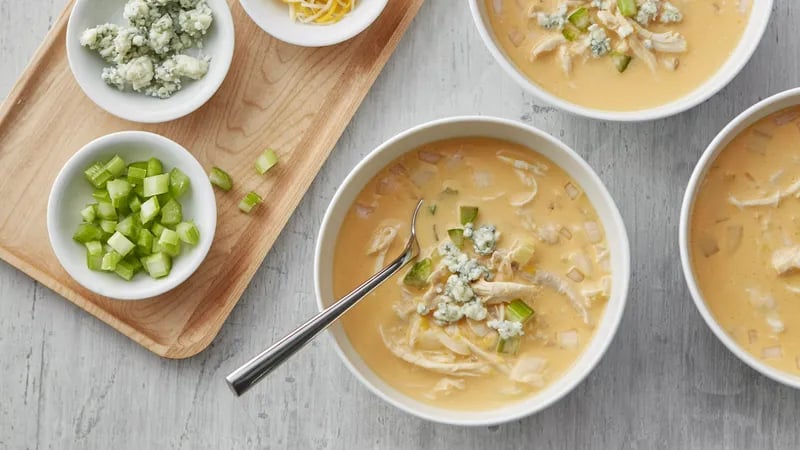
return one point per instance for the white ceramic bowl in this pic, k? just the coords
(753, 114)
(551, 148)
(273, 17)
(71, 192)
(87, 65)
(759, 18)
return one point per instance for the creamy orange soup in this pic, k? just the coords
(497, 319)
(672, 52)
(745, 240)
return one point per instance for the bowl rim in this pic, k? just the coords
(224, 24)
(624, 269)
(62, 180)
(718, 144)
(674, 107)
(351, 29)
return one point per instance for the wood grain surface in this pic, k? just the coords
(68, 381)
(294, 99)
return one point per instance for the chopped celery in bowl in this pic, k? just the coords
(131, 215)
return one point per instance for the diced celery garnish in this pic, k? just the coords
(523, 252)
(138, 165)
(134, 262)
(89, 213)
(120, 243)
(88, 232)
(468, 214)
(115, 166)
(110, 261)
(621, 61)
(220, 179)
(155, 185)
(118, 189)
(171, 213)
(178, 183)
(518, 311)
(457, 236)
(94, 262)
(101, 195)
(94, 248)
(187, 232)
(250, 201)
(144, 244)
(97, 175)
(150, 210)
(168, 237)
(627, 8)
(508, 346)
(419, 273)
(157, 229)
(134, 203)
(130, 226)
(125, 270)
(108, 226)
(157, 265)
(136, 175)
(105, 210)
(173, 250)
(154, 167)
(580, 18)
(266, 161)
(570, 32)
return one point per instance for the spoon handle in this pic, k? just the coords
(245, 377)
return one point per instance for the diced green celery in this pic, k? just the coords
(178, 183)
(419, 273)
(580, 18)
(101, 195)
(627, 8)
(250, 201)
(125, 270)
(187, 232)
(508, 346)
(88, 232)
(518, 311)
(155, 185)
(154, 167)
(468, 214)
(94, 248)
(168, 237)
(134, 262)
(94, 262)
(150, 210)
(136, 175)
(138, 189)
(110, 261)
(130, 226)
(157, 265)
(220, 179)
(266, 161)
(120, 243)
(144, 244)
(456, 236)
(157, 229)
(621, 61)
(570, 32)
(97, 175)
(138, 165)
(432, 209)
(523, 252)
(134, 203)
(108, 226)
(115, 166)
(118, 190)
(173, 250)
(105, 210)
(171, 213)
(89, 213)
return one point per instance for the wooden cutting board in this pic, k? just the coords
(294, 99)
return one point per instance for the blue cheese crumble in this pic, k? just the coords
(647, 12)
(506, 328)
(553, 21)
(670, 14)
(484, 239)
(146, 55)
(599, 42)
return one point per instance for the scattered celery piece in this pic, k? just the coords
(571, 32)
(523, 252)
(101, 195)
(432, 210)
(187, 232)
(89, 213)
(108, 226)
(266, 161)
(168, 237)
(580, 18)
(621, 61)
(94, 262)
(468, 214)
(627, 8)
(138, 165)
(518, 311)
(136, 175)
(118, 190)
(125, 270)
(97, 175)
(456, 236)
(110, 261)
(150, 210)
(250, 201)
(135, 204)
(157, 265)
(171, 213)
(88, 232)
(155, 185)
(508, 346)
(419, 273)
(94, 248)
(105, 210)
(120, 244)
(129, 226)
(144, 244)
(115, 166)
(178, 183)
(157, 229)
(154, 167)
(220, 179)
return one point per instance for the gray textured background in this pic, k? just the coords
(69, 381)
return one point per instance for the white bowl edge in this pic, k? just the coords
(573, 164)
(751, 37)
(753, 114)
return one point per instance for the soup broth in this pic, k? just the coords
(745, 240)
(661, 68)
(446, 338)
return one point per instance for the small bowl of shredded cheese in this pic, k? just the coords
(313, 23)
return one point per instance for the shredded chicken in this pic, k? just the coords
(491, 358)
(667, 42)
(615, 22)
(469, 368)
(547, 44)
(770, 200)
(492, 292)
(561, 286)
(642, 52)
(530, 370)
(786, 259)
(382, 239)
(565, 59)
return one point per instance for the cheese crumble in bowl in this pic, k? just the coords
(739, 240)
(150, 60)
(622, 60)
(519, 286)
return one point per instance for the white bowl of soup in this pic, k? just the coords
(738, 237)
(652, 60)
(521, 280)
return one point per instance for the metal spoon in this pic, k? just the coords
(246, 376)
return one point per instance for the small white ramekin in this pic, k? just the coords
(512, 131)
(87, 65)
(71, 192)
(759, 18)
(752, 115)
